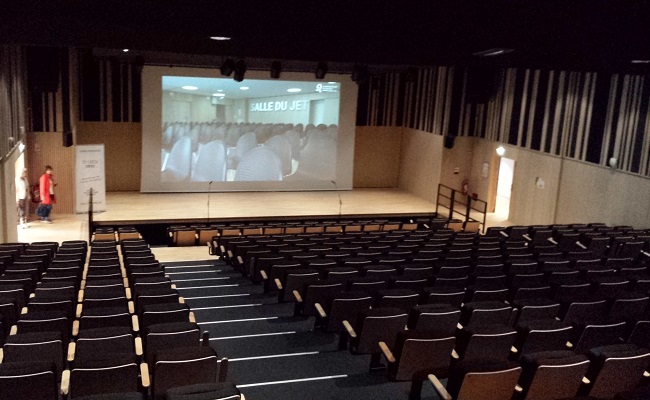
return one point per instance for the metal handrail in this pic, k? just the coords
(458, 198)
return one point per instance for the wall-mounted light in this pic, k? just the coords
(501, 151)
(613, 162)
(21, 147)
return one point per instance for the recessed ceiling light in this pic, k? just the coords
(244, 88)
(219, 90)
(188, 87)
(640, 61)
(332, 83)
(493, 52)
(220, 38)
(218, 94)
(294, 90)
(125, 50)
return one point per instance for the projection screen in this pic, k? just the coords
(202, 131)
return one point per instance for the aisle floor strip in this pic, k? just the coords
(220, 296)
(306, 353)
(205, 287)
(229, 321)
(218, 307)
(252, 336)
(318, 378)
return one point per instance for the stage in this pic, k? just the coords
(133, 208)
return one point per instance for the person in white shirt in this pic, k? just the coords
(22, 197)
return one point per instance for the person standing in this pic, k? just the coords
(46, 189)
(22, 198)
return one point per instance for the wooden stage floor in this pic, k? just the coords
(160, 208)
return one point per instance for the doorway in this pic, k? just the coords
(504, 187)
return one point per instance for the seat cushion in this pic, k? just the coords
(204, 391)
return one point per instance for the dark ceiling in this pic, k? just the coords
(582, 34)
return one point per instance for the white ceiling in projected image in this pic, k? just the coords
(249, 88)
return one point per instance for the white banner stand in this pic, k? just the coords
(90, 174)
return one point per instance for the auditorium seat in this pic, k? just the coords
(485, 381)
(615, 369)
(28, 381)
(551, 375)
(205, 391)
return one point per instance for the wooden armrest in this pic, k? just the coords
(144, 375)
(125, 282)
(173, 286)
(229, 253)
(138, 346)
(459, 326)
(646, 374)
(192, 318)
(349, 329)
(131, 307)
(223, 370)
(525, 236)
(181, 300)
(127, 291)
(196, 236)
(264, 275)
(569, 345)
(297, 296)
(2, 355)
(83, 285)
(14, 330)
(502, 233)
(171, 234)
(582, 246)
(65, 383)
(31, 296)
(80, 297)
(387, 353)
(240, 260)
(552, 241)
(80, 308)
(23, 311)
(135, 323)
(586, 381)
(278, 284)
(518, 389)
(75, 327)
(439, 388)
(514, 350)
(72, 348)
(321, 312)
(454, 354)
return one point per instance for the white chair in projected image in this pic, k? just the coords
(245, 143)
(210, 163)
(282, 148)
(259, 164)
(178, 164)
(317, 159)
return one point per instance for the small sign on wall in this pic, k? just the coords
(485, 170)
(539, 182)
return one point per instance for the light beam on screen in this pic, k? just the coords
(293, 134)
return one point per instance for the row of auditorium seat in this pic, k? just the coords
(547, 312)
(104, 326)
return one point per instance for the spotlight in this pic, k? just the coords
(240, 70)
(321, 70)
(276, 69)
(501, 151)
(360, 74)
(227, 67)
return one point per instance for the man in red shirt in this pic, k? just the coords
(46, 186)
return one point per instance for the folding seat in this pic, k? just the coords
(541, 335)
(403, 299)
(321, 292)
(28, 381)
(523, 267)
(93, 318)
(640, 335)
(567, 242)
(441, 318)
(374, 326)
(275, 268)
(409, 282)
(295, 280)
(185, 366)
(587, 309)
(485, 381)
(154, 314)
(481, 293)
(443, 295)
(36, 347)
(51, 321)
(453, 272)
(417, 354)
(548, 267)
(341, 274)
(155, 296)
(629, 306)
(100, 342)
(588, 335)
(418, 269)
(460, 282)
(485, 313)
(552, 375)
(205, 391)
(171, 335)
(485, 342)
(609, 286)
(370, 285)
(451, 261)
(115, 373)
(615, 369)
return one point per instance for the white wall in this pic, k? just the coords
(420, 163)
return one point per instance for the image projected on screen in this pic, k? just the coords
(218, 130)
